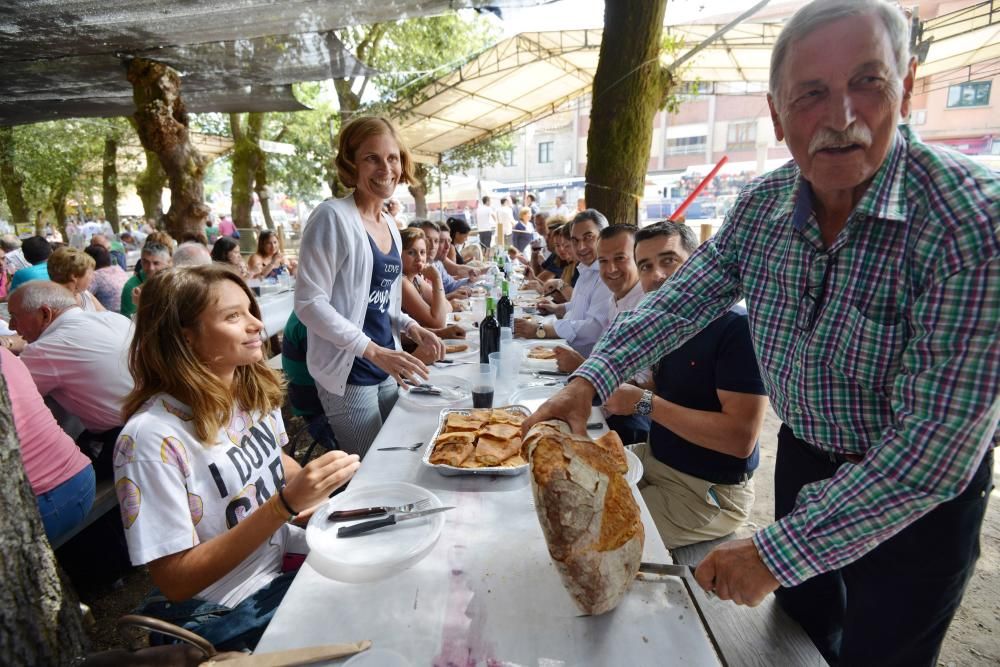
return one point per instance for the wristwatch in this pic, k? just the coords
(644, 406)
(540, 331)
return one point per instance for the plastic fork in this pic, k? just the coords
(364, 512)
(407, 448)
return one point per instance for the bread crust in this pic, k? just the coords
(590, 519)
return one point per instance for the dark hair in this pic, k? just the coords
(590, 215)
(486, 199)
(264, 237)
(102, 258)
(611, 232)
(223, 246)
(667, 229)
(443, 227)
(36, 249)
(531, 196)
(458, 226)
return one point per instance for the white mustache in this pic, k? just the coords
(856, 133)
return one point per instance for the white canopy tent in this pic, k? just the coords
(532, 75)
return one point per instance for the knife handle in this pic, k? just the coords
(347, 515)
(365, 526)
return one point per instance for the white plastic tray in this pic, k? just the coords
(452, 470)
(380, 553)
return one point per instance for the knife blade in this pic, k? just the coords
(667, 569)
(356, 529)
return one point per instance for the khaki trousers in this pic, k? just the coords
(688, 509)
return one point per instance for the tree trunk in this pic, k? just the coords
(109, 182)
(245, 158)
(628, 88)
(255, 125)
(11, 180)
(418, 190)
(58, 201)
(40, 621)
(162, 124)
(149, 185)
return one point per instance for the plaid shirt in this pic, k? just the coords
(885, 344)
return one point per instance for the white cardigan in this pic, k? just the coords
(332, 287)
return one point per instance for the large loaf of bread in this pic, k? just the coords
(590, 520)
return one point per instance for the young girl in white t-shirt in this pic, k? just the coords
(207, 496)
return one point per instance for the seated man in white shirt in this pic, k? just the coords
(616, 259)
(618, 271)
(585, 316)
(79, 359)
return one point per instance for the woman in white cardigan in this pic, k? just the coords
(348, 290)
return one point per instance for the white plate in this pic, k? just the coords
(464, 319)
(532, 397)
(380, 553)
(634, 473)
(453, 470)
(541, 364)
(457, 390)
(472, 340)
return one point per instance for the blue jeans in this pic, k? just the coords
(893, 605)
(67, 505)
(228, 628)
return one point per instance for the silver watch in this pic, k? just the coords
(644, 406)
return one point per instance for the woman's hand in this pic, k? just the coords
(431, 274)
(426, 339)
(319, 478)
(398, 364)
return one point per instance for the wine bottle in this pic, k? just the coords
(489, 333)
(505, 309)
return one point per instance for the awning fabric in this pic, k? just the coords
(67, 58)
(532, 75)
(965, 38)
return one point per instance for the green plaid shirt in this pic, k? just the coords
(885, 344)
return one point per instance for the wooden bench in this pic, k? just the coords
(105, 499)
(763, 635)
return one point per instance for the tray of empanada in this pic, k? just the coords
(478, 442)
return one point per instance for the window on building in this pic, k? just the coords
(742, 136)
(545, 152)
(687, 145)
(969, 94)
(508, 158)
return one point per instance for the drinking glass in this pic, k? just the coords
(483, 385)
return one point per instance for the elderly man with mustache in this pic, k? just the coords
(871, 270)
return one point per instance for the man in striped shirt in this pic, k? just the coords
(871, 271)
